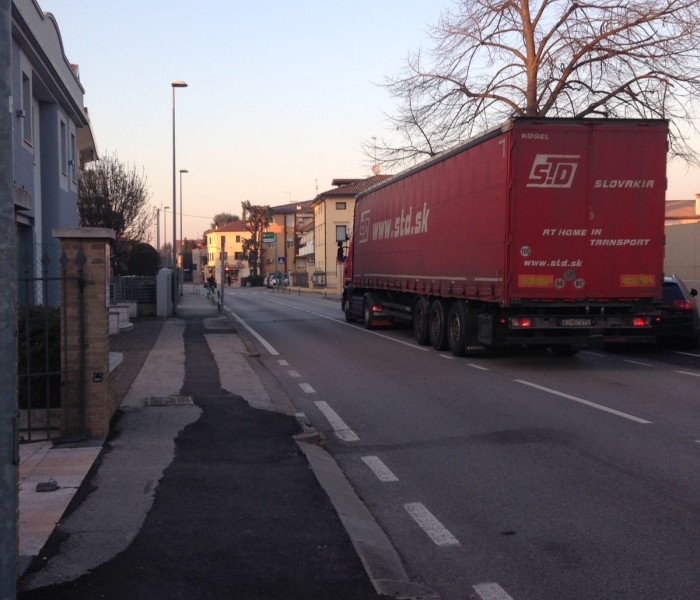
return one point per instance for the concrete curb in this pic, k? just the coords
(378, 555)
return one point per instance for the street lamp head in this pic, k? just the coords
(184, 171)
(178, 84)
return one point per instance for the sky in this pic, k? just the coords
(280, 94)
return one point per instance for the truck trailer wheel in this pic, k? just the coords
(421, 319)
(349, 318)
(457, 328)
(438, 324)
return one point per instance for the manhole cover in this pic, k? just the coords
(169, 401)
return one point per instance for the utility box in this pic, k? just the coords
(164, 294)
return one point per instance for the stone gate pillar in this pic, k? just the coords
(89, 396)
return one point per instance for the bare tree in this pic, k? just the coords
(492, 60)
(256, 218)
(115, 195)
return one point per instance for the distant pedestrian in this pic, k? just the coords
(228, 280)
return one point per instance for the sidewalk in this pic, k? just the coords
(198, 493)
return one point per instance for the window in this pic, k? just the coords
(341, 233)
(238, 239)
(64, 150)
(27, 132)
(341, 205)
(72, 160)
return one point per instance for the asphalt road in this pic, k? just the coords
(514, 476)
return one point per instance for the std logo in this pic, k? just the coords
(364, 227)
(553, 171)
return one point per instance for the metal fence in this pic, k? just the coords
(41, 376)
(133, 289)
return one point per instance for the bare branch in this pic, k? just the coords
(492, 59)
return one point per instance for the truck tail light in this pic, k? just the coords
(521, 322)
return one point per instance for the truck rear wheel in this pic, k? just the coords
(421, 318)
(457, 328)
(438, 324)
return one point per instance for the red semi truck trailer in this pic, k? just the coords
(542, 232)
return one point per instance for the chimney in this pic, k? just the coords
(697, 205)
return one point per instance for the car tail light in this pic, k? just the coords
(640, 321)
(683, 305)
(522, 322)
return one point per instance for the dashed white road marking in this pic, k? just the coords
(479, 367)
(594, 353)
(612, 411)
(382, 472)
(447, 356)
(306, 387)
(435, 530)
(341, 430)
(491, 591)
(693, 354)
(637, 362)
(294, 374)
(283, 363)
(689, 373)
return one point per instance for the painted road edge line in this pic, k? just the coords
(435, 530)
(254, 333)
(339, 426)
(612, 411)
(377, 467)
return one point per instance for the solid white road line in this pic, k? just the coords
(612, 411)
(491, 591)
(254, 333)
(436, 531)
(382, 472)
(340, 429)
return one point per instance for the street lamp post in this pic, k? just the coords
(175, 84)
(182, 240)
(165, 234)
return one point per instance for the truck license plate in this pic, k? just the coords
(575, 323)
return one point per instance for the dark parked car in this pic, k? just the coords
(678, 321)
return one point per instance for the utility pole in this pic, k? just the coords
(9, 415)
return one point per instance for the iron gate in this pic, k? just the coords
(43, 378)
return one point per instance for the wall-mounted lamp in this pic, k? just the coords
(20, 114)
